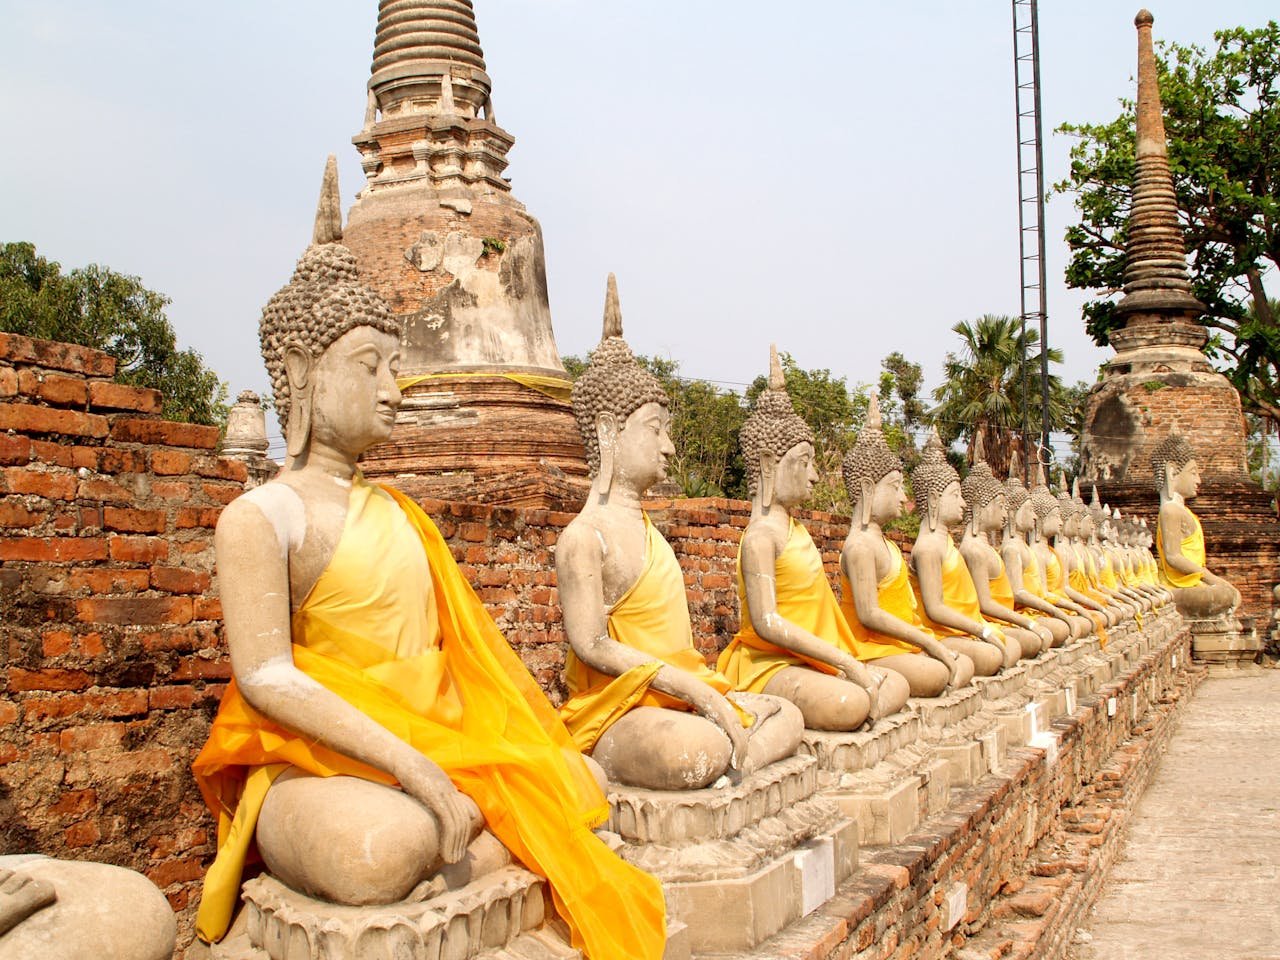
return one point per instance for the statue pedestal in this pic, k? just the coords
(502, 914)
(738, 863)
(1227, 644)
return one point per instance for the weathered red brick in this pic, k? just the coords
(171, 489)
(15, 515)
(105, 491)
(176, 871)
(8, 382)
(124, 703)
(179, 580)
(222, 468)
(39, 483)
(170, 463)
(110, 581)
(28, 418)
(165, 432)
(54, 549)
(84, 834)
(59, 356)
(48, 679)
(52, 388)
(207, 608)
(75, 803)
(129, 520)
(14, 449)
(119, 396)
(139, 549)
(222, 493)
(92, 737)
(189, 517)
(113, 460)
(134, 610)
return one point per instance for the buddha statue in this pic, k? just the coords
(1048, 526)
(1198, 593)
(944, 588)
(642, 700)
(379, 739)
(876, 596)
(985, 512)
(1090, 576)
(69, 910)
(1108, 558)
(1027, 591)
(1076, 577)
(794, 642)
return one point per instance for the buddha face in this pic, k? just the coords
(354, 396)
(994, 514)
(1051, 525)
(951, 505)
(795, 475)
(889, 498)
(643, 446)
(1184, 482)
(1025, 518)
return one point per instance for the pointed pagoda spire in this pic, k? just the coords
(328, 227)
(421, 42)
(1155, 271)
(612, 310)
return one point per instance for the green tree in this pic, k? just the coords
(1222, 120)
(983, 390)
(97, 307)
(902, 409)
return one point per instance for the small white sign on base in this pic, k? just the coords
(816, 861)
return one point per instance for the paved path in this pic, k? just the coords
(1200, 873)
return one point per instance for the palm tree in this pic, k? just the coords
(985, 393)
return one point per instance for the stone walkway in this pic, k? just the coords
(1200, 873)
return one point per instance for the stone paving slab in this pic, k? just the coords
(1200, 873)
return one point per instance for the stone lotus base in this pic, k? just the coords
(1226, 644)
(501, 916)
(741, 862)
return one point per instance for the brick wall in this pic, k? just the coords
(113, 663)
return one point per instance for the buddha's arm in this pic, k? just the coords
(759, 576)
(579, 577)
(981, 562)
(859, 566)
(1012, 557)
(1087, 602)
(928, 566)
(253, 576)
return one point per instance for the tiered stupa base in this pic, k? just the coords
(483, 439)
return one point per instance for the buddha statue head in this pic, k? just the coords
(1174, 468)
(873, 473)
(622, 411)
(984, 504)
(777, 445)
(1020, 514)
(331, 345)
(937, 487)
(1047, 509)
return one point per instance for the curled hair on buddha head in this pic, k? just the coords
(1172, 451)
(613, 382)
(1097, 511)
(980, 487)
(1042, 500)
(1015, 492)
(322, 301)
(871, 458)
(933, 474)
(773, 427)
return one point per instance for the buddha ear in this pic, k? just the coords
(298, 367)
(768, 471)
(866, 497)
(607, 441)
(932, 510)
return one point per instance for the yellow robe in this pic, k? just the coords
(805, 599)
(1002, 592)
(1054, 584)
(364, 633)
(1192, 549)
(958, 593)
(895, 597)
(652, 617)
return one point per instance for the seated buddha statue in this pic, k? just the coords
(1048, 527)
(1075, 582)
(1139, 567)
(876, 597)
(379, 736)
(944, 588)
(985, 513)
(1108, 558)
(1082, 571)
(69, 910)
(1197, 591)
(1027, 591)
(794, 642)
(642, 700)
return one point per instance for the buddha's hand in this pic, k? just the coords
(856, 672)
(1044, 633)
(953, 665)
(720, 711)
(453, 810)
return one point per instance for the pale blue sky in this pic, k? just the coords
(837, 176)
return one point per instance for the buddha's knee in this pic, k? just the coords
(385, 844)
(1057, 629)
(825, 702)
(663, 749)
(930, 677)
(893, 692)
(987, 660)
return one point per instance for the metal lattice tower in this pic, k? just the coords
(1031, 265)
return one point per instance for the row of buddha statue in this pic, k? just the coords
(380, 741)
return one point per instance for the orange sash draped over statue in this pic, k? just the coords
(805, 599)
(652, 617)
(1192, 549)
(958, 593)
(446, 682)
(895, 597)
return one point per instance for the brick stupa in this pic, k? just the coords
(1160, 382)
(437, 232)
